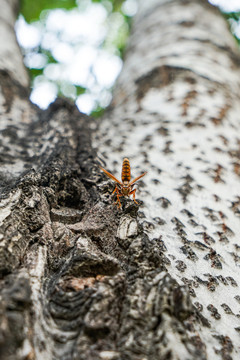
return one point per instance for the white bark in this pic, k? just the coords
(176, 115)
(15, 112)
(11, 59)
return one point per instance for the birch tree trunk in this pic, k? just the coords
(81, 279)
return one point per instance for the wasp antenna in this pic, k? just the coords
(137, 178)
(111, 176)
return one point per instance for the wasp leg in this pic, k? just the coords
(118, 201)
(133, 194)
(118, 195)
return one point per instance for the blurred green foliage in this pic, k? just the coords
(234, 20)
(31, 9)
(116, 4)
(233, 15)
(36, 12)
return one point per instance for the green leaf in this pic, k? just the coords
(99, 111)
(50, 58)
(232, 15)
(35, 72)
(80, 90)
(31, 9)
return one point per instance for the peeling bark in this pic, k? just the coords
(81, 279)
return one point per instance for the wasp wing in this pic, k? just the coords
(137, 178)
(111, 176)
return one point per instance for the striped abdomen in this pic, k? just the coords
(126, 170)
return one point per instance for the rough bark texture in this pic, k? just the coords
(81, 279)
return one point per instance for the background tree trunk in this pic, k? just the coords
(81, 279)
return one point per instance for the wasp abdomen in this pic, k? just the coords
(126, 170)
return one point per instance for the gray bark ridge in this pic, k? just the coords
(52, 188)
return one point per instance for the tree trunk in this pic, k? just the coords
(82, 279)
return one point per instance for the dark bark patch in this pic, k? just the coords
(214, 258)
(15, 308)
(227, 309)
(164, 202)
(159, 221)
(191, 95)
(164, 131)
(227, 347)
(200, 245)
(232, 281)
(17, 292)
(10, 89)
(214, 312)
(66, 215)
(191, 284)
(160, 77)
(187, 24)
(186, 188)
(218, 120)
(187, 213)
(206, 238)
(167, 149)
(181, 266)
(88, 264)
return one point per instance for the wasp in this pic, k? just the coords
(126, 187)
